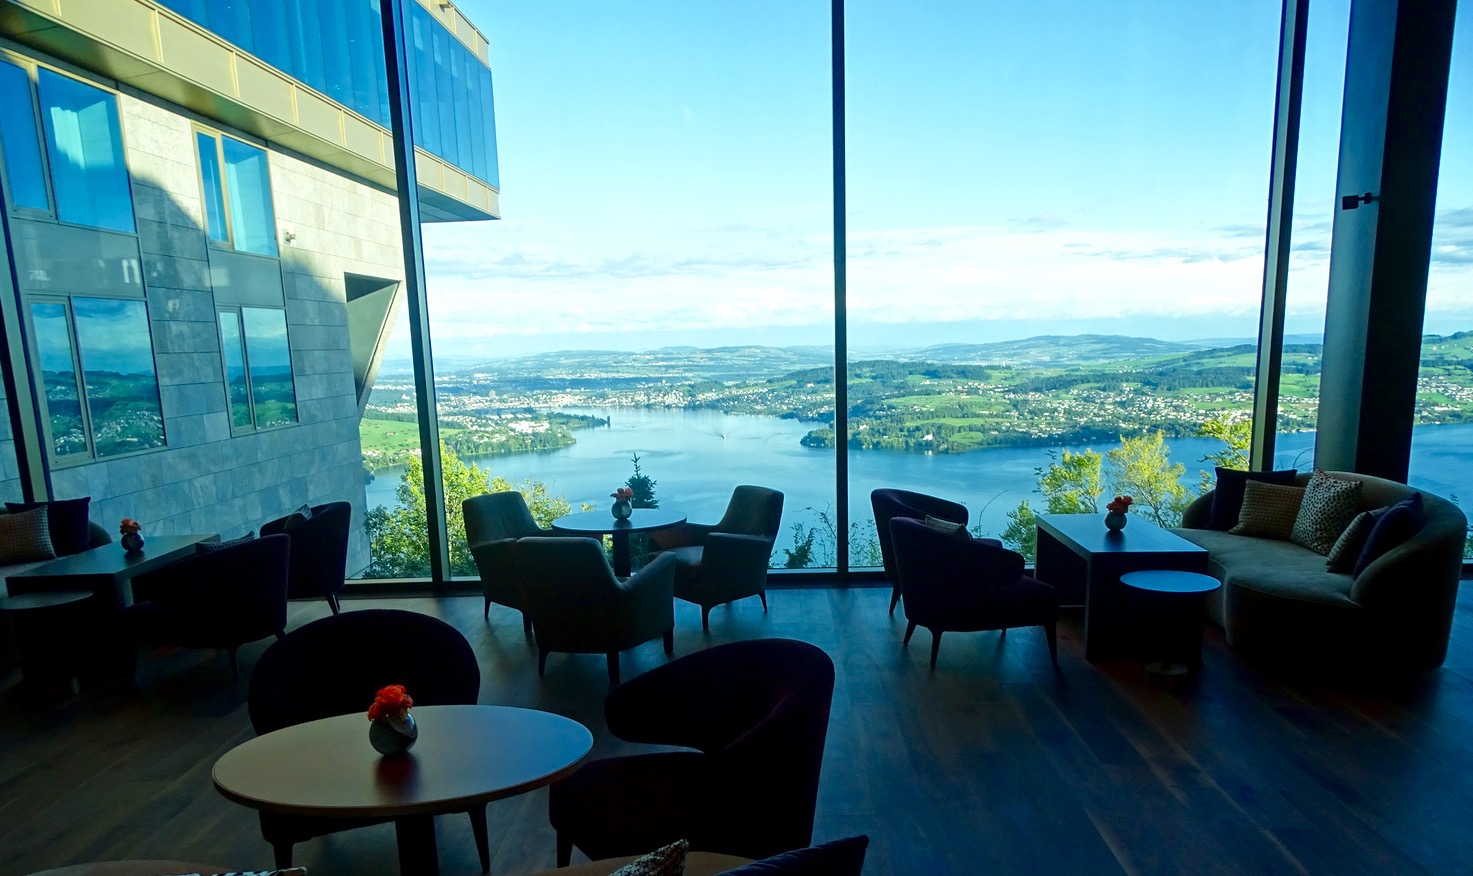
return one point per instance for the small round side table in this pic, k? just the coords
(48, 649)
(1172, 606)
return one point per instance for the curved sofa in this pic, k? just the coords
(1279, 603)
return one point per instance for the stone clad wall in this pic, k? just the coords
(208, 480)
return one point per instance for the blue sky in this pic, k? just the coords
(1013, 169)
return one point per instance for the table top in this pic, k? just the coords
(111, 559)
(465, 755)
(1087, 533)
(1170, 581)
(43, 599)
(602, 521)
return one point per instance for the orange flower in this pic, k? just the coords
(128, 524)
(623, 494)
(392, 701)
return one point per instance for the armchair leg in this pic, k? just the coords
(541, 662)
(478, 829)
(526, 625)
(669, 642)
(935, 646)
(763, 596)
(564, 850)
(706, 618)
(234, 667)
(613, 668)
(486, 612)
(283, 852)
(909, 631)
(1004, 633)
(1050, 630)
(894, 599)
(332, 603)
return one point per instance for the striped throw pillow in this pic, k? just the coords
(1269, 510)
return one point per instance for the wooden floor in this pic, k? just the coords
(991, 764)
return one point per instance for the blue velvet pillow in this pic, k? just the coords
(1400, 522)
(1227, 496)
(843, 857)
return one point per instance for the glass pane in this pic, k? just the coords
(698, 338)
(271, 30)
(117, 364)
(53, 341)
(252, 219)
(488, 99)
(270, 356)
(214, 194)
(337, 66)
(85, 145)
(1055, 252)
(364, 46)
(232, 346)
(23, 171)
(445, 87)
(460, 67)
(1441, 461)
(394, 478)
(305, 24)
(1314, 216)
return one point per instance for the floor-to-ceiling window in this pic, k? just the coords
(1443, 430)
(660, 287)
(1055, 255)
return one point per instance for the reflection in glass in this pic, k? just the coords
(53, 340)
(232, 345)
(117, 366)
(27, 180)
(214, 194)
(270, 358)
(251, 218)
(85, 144)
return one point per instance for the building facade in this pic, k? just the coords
(204, 248)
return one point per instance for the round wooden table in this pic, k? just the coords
(48, 625)
(596, 523)
(465, 756)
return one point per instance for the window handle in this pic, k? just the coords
(1350, 202)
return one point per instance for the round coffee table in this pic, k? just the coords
(465, 756)
(597, 523)
(48, 637)
(1174, 605)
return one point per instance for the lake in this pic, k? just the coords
(697, 456)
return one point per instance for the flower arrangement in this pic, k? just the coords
(1120, 504)
(623, 494)
(129, 526)
(391, 702)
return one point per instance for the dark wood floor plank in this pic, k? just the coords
(993, 762)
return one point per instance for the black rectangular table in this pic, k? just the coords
(101, 647)
(1084, 560)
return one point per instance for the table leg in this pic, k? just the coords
(621, 553)
(417, 853)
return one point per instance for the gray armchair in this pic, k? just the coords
(576, 605)
(727, 561)
(493, 523)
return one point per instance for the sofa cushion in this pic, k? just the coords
(1400, 522)
(66, 520)
(25, 537)
(664, 861)
(1346, 549)
(1227, 495)
(1328, 507)
(1278, 567)
(843, 857)
(1269, 510)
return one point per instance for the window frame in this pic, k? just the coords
(90, 456)
(197, 131)
(32, 68)
(245, 357)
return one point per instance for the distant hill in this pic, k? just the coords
(708, 363)
(1049, 350)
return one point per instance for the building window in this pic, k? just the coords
(84, 143)
(258, 368)
(95, 356)
(236, 185)
(25, 174)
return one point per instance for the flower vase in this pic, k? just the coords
(132, 542)
(393, 736)
(622, 510)
(1115, 521)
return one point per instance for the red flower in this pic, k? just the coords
(392, 701)
(128, 524)
(1120, 504)
(623, 494)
